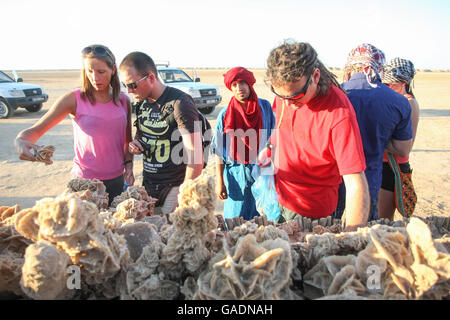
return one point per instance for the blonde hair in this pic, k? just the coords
(87, 90)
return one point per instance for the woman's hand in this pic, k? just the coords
(23, 148)
(221, 191)
(63, 106)
(135, 147)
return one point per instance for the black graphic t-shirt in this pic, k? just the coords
(158, 123)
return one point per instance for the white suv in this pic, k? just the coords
(206, 96)
(15, 94)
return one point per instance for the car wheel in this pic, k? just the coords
(34, 108)
(5, 109)
(207, 110)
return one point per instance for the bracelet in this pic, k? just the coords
(128, 161)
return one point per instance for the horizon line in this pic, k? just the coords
(206, 68)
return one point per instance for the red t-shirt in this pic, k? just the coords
(316, 144)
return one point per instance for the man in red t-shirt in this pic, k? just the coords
(317, 142)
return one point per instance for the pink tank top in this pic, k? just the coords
(99, 134)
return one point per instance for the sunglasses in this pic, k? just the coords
(133, 85)
(295, 96)
(97, 50)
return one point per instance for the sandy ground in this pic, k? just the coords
(23, 182)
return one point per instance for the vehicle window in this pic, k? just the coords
(171, 76)
(4, 77)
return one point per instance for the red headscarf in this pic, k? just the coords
(238, 118)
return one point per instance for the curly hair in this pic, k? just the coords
(292, 60)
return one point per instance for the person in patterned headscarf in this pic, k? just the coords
(242, 130)
(365, 58)
(398, 75)
(384, 117)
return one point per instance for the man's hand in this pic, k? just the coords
(135, 147)
(192, 144)
(221, 191)
(357, 201)
(265, 157)
(400, 147)
(129, 176)
(23, 148)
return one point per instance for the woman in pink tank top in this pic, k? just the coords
(101, 119)
(398, 75)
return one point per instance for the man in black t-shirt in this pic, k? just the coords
(168, 131)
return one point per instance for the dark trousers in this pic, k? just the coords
(341, 201)
(114, 187)
(373, 213)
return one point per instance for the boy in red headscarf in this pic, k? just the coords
(242, 130)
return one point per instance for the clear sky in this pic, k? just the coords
(49, 34)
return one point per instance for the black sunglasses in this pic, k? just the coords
(297, 95)
(97, 50)
(133, 85)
